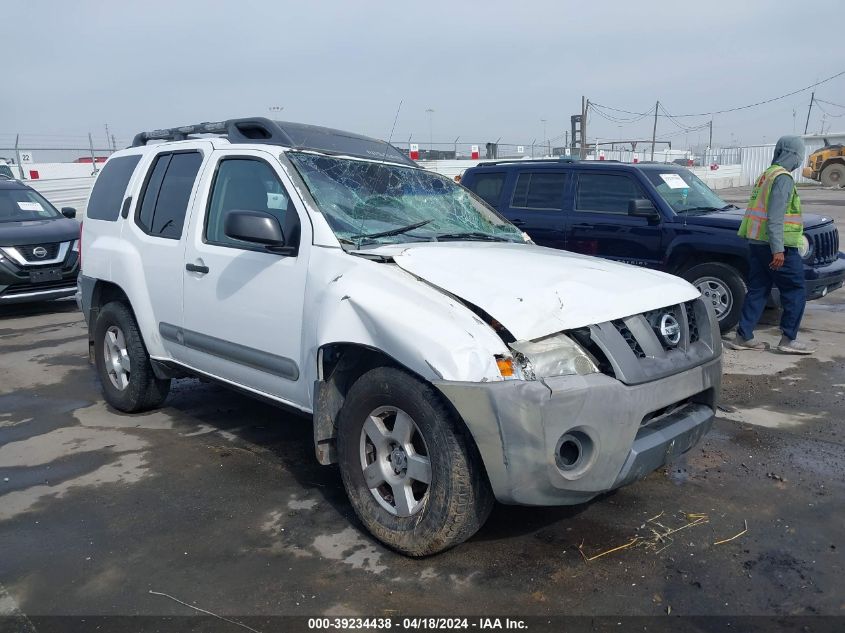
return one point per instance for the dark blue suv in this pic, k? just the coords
(654, 215)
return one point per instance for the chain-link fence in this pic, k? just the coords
(39, 156)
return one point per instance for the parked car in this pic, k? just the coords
(446, 361)
(39, 248)
(656, 216)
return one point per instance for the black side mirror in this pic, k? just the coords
(69, 212)
(257, 227)
(642, 208)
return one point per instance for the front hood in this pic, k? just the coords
(732, 218)
(38, 231)
(535, 291)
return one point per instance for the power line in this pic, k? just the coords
(831, 103)
(835, 116)
(617, 119)
(745, 107)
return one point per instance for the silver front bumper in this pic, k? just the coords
(631, 430)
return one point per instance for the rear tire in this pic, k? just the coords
(723, 286)
(123, 365)
(433, 516)
(833, 175)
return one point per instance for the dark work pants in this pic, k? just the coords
(789, 279)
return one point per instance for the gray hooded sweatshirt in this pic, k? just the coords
(789, 154)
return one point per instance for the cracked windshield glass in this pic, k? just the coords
(685, 192)
(368, 203)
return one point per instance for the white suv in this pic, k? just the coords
(446, 359)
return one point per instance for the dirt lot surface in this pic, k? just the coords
(217, 500)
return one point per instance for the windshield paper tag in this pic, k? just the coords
(30, 206)
(674, 181)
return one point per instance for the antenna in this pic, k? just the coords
(383, 160)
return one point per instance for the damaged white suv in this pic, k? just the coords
(446, 360)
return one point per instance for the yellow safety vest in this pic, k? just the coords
(755, 223)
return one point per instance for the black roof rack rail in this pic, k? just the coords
(295, 135)
(561, 159)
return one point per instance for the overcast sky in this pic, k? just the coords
(488, 69)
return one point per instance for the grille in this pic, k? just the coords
(629, 337)
(27, 251)
(692, 321)
(15, 289)
(825, 246)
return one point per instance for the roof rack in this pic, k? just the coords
(561, 159)
(295, 135)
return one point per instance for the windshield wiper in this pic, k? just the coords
(700, 209)
(397, 231)
(471, 235)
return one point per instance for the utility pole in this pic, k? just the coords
(585, 106)
(456, 146)
(810, 109)
(710, 142)
(93, 157)
(107, 135)
(113, 143)
(543, 121)
(654, 130)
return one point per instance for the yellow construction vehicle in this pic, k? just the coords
(827, 165)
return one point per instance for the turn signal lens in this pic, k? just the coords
(505, 367)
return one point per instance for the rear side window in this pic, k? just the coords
(164, 202)
(539, 190)
(606, 193)
(488, 187)
(107, 195)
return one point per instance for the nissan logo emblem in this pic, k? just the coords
(40, 252)
(670, 330)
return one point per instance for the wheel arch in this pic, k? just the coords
(103, 292)
(339, 365)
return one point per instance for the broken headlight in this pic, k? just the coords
(555, 355)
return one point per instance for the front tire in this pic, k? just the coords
(723, 286)
(833, 175)
(123, 364)
(414, 478)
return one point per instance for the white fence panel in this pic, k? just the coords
(65, 192)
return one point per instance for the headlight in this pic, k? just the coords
(804, 249)
(555, 355)
(75, 246)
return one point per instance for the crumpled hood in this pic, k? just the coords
(789, 152)
(535, 291)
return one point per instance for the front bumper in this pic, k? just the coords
(820, 280)
(625, 431)
(16, 285)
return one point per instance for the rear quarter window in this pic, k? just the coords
(488, 187)
(110, 187)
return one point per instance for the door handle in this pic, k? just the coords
(194, 268)
(518, 222)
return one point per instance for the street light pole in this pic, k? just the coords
(430, 133)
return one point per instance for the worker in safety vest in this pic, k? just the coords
(775, 231)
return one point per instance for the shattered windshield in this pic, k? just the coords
(368, 203)
(685, 192)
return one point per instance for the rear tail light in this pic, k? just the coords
(79, 245)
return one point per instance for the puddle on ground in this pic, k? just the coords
(760, 416)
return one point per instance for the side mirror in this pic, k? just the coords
(257, 227)
(642, 208)
(69, 212)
